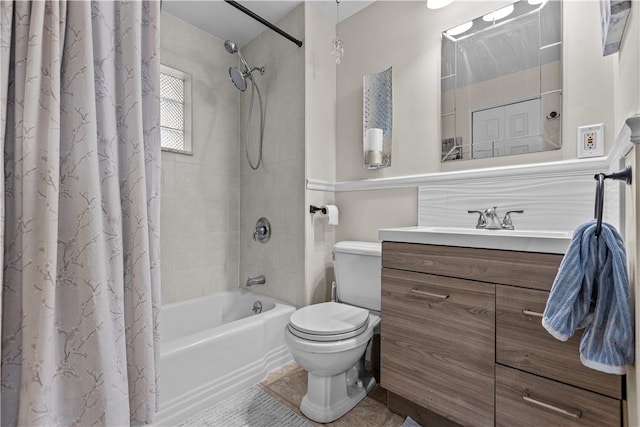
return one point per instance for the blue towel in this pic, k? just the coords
(591, 290)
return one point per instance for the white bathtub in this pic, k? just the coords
(215, 346)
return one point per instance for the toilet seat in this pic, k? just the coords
(329, 321)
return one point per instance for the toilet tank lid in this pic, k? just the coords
(360, 248)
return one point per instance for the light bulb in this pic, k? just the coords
(498, 14)
(438, 4)
(459, 29)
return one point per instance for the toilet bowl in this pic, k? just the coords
(329, 340)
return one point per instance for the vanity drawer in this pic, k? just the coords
(522, 342)
(531, 270)
(528, 400)
(438, 344)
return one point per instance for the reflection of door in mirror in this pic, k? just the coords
(501, 83)
(506, 129)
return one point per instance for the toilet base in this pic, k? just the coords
(329, 398)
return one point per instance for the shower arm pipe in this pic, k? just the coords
(263, 21)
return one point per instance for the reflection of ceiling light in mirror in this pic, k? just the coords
(534, 2)
(498, 14)
(437, 4)
(459, 29)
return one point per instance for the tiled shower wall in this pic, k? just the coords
(276, 190)
(200, 192)
(212, 199)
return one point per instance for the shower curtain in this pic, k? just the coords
(80, 204)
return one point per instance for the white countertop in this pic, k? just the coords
(555, 242)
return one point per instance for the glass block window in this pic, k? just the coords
(175, 110)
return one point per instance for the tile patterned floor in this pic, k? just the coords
(288, 384)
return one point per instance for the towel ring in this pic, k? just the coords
(623, 175)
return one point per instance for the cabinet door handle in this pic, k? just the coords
(573, 413)
(531, 313)
(428, 294)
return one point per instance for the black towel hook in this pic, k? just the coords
(623, 175)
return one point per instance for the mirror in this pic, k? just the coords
(501, 83)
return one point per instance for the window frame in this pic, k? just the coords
(187, 104)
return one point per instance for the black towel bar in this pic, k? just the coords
(623, 175)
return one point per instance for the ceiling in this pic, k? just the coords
(228, 23)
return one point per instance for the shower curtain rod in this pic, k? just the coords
(263, 21)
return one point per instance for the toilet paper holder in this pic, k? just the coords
(314, 209)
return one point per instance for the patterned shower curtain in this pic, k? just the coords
(81, 271)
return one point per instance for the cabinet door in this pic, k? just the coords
(522, 342)
(526, 400)
(438, 344)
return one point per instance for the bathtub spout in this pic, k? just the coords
(258, 280)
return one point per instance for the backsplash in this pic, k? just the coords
(554, 196)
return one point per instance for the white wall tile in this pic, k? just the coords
(200, 199)
(168, 173)
(550, 201)
(276, 190)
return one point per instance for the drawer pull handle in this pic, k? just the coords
(531, 313)
(573, 413)
(428, 294)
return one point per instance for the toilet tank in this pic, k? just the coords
(358, 269)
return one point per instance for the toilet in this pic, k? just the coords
(329, 340)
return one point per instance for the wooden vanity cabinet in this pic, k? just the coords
(437, 344)
(461, 336)
(522, 343)
(527, 400)
(437, 334)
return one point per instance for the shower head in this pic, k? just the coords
(230, 46)
(233, 48)
(238, 79)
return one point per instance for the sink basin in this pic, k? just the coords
(517, 240)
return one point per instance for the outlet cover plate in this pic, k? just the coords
(590, 141)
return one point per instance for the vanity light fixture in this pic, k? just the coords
(535, 2)
(498, 14)
(460, 29)
(337, 46)
(438, 4)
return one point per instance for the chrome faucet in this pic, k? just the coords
(489, 219)
(258, 280)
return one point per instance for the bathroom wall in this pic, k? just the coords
(406, 35)
(627, 70)
(200, 192)
(320, 133)
(277, 189)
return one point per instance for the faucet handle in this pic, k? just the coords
(506, 221)
(482, 219)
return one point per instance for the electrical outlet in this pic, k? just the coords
(590, 141)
